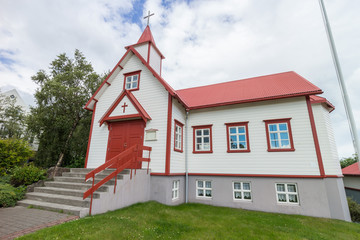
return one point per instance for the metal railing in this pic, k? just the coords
(128, 159)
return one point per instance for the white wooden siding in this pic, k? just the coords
(154, 99)
(302, 161)
(99, 139)
(177, 164)
(155, 59)
(326, 140)
(352, 181)
(143, 50)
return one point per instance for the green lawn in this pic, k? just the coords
(152, 220)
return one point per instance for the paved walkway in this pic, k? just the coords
(18, 221)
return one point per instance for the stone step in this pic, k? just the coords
(59, 199)
(77, 186)
(81, 180)
(82, 175)
(77, 211)
(81, 170)
(63, 191)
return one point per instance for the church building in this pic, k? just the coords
(263, 143)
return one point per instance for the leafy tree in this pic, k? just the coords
(12, 119)
(59, 120)
(13, 152)
(344, 162)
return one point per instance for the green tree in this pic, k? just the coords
(12, 119)
(59, 120)
(344, 162)
(13, 152)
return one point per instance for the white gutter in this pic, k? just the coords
(186, 159)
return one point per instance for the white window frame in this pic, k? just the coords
(287, 193)
(178, 141)
(175, 190)
(204, 189)
(278, 133)
(241, 191)
(237, 134)
(131, 77)
(202, 137)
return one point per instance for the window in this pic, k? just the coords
(242, 191)
(202, 139)
(287, 193)
(203, 189)
(279, 136)
(237, 137)
(175, 189)
(178, 136)
(132, 80)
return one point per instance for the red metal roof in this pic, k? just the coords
(318, 99)
(281, 85)
(353, 169)
(146, 36)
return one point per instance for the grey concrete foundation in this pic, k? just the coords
(128, 192)
(317, 197)
(161, 189)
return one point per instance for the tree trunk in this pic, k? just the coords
(62, 153)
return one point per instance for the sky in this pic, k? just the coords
(204, 42)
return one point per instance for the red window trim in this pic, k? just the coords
(131, 74)
(202, 127)
(176, 122)
(281, 120)
(247, 136)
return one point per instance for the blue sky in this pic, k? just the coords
(204, 42)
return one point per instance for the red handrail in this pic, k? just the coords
(126, 159)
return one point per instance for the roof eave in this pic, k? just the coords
(254, 100)
(105, 81)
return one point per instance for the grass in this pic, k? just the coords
(153, 220)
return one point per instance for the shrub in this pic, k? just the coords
(27, 175)
(354, 208)
(13, 152)
(76, 163)
(5, 179)
(9, 195)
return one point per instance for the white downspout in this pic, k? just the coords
(186, 159)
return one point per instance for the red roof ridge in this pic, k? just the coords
(273, 86)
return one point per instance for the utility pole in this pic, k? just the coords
(340, 77)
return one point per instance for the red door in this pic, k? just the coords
(123, 135)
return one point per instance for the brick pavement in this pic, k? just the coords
(18, 221)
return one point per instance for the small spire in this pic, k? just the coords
(148, 17)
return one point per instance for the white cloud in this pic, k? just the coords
(203, 41)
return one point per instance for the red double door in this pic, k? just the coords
(123, 135)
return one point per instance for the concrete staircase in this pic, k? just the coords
(65, 193)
